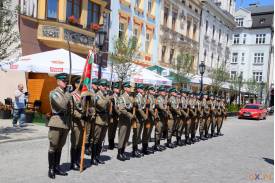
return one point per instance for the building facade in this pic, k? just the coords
(252, 49)
(179, 31)
(48, 24)
(215, 36)
(139, 19)
(227, 5)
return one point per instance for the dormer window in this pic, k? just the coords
(239, 22)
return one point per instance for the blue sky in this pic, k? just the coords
(245, 3)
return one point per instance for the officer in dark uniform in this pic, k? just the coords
(59, 124)
(115, 113)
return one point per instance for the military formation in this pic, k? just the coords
(138, 114)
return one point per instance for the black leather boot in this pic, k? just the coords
(74, 165)
(111, 144)
(124, 154)
(57, 169)
(135, 153)
(157, 146)
(187, 140)
(51, 160)
(98, 151)
(145, 149)
(93, 160)
(169, 144)
(193, 140)
(87, 149)
(119, 156)
(179, 141)
(202, 137)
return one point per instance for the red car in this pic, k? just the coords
(253, 111)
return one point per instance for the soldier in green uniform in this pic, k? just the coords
(149, 124)
(91, 121)
(59, 124)
(185, 115)
(102, 102)
(115, 113)
(215, 117)
(180, 120)
(199, 113)
(161, 106)
(223, 116)
(77, 124)
(125, 108)
(193, 116)
(219, 114)
(211, 104)
(173, 117)
(205, 117)
(210, 118)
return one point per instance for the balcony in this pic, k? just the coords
(56, 34)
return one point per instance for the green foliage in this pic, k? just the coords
(219, 76)
(8, 35)
(183, 67)
(125, 51)
(252, 86)
(233, 107)
(236, 83)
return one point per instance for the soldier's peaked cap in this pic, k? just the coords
(95, 81)
(140, 86)
(116, 85)
(126, 85)
(62, 76)
(172, 90)
(103, 82)
(161, 88)
(151, 88)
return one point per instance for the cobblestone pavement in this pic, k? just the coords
(243, 154)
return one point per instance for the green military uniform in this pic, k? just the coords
(125, 108)
(150, 106)
(219, 115)
(140, 104)
(199, 113)
(215, 117)
(59, 125)
(180, 121)
(185, 115)
(193, 117)
(174, 116)
(210, 118)
(162, 118)
(114, 121)
(205, 112)
(211, 104)
(223, 116)
(101, 122)
(77, 127)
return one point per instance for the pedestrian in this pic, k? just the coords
(19, 106)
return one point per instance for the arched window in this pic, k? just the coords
(73, 8)
(52, 9)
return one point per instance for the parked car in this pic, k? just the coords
(270, 110)
(253, 111)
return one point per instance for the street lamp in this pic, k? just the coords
(240, 83)
(100, 40)
(202, 70)
(262, 87)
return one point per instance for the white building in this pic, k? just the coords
(215, 35)
(227, 5)
(252, 44)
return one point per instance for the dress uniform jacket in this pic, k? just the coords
(101, 104)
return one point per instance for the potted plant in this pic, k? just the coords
(95, 27)
(29, 115)
(5, 111)
(72, 20)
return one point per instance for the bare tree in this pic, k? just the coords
(219, 76)
(125, 51)
(8, 35)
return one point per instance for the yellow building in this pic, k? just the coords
(179, 31)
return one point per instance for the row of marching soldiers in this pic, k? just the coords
(160, 113)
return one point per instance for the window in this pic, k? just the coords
(194, 31)
(188, 27)
(163, 50)
(165, 17)
(220, 33)
(149, 8)
(244, 38)
(243, 57)
(93, 12)
(258, 76)
(258, 58)
(239, 22)
(121, 33)
(260, 38)
(206, 27)
(227, 38)
(236, 38)
(183, 2)
(171, 56)
(73, 8)
(213, 31)
(52, 7)
(190, 6)
(233, 74)
(174, 19)
(147, 42)
(205, 53)
(135, 33)
(234, 58)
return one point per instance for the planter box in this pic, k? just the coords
(5, 114)
(29, 116)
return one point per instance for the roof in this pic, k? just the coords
(260, 9)
(260, 21)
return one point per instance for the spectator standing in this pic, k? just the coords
(19, 106)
